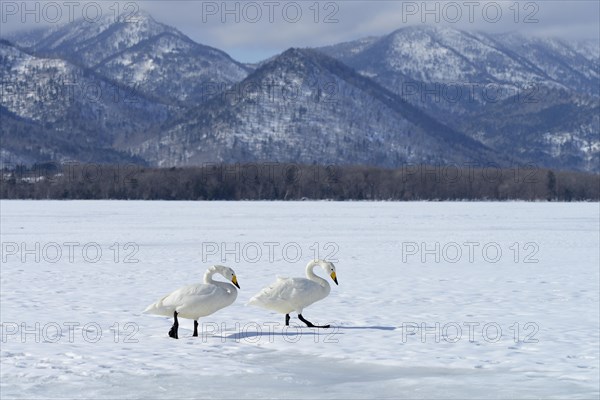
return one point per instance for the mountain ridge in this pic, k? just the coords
(237, 121)
(194, 95)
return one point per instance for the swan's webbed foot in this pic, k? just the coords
(287, 319)
(173, 332)
(195, 329)
(310, 324)
(175, 327)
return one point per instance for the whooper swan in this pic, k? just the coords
(198, 300)
(294, 294)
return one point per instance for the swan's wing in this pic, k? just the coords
(291, 286)
(184, 296)
(191, 293)
(304, 292)
(282, 290)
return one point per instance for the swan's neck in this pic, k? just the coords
(208, 276)
(310, 274)
(208, 279)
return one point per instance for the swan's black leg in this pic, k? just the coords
(195, 328)
(310, 324)
(287, 319)
(175, 327)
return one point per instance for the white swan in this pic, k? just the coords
(199, 300)
(294, 294)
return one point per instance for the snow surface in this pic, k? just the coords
(372, 350)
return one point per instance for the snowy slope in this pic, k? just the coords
(55, 90)
(447, 55)
(575, 64)
(375, 348)
(138, 51)
(82, 108)
(533, 97)
(89, 42)
(171, 67)
(306, 107)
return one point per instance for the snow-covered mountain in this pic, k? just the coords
(65, 103)
(534, 98)
(306, 107)
(451, 56)
(173, 67)
(561, 130)
(156, 59)
(420, 95)
(575, 65)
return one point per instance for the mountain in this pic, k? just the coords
(137, 51)
(29, 142)
(575, 65)
(136, 89)
(63, 102)
(451, 56)
(561, 131)
(306, 107)
(534, 98)
(169, 66)
(346, 50)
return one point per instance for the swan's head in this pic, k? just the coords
(330, 270)
(229, 273)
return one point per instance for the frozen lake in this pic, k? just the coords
(436, 300)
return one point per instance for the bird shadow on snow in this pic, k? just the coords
(374, 327)
(291, 334)
(294, 333)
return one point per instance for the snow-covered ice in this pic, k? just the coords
(530, 270)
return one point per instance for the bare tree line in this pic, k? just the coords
(275, 181)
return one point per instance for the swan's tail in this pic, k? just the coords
(254, 301)
(152, 308)
(158, 308)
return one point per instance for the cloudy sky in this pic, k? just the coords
(254, 30)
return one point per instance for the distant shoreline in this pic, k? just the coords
(293, 182)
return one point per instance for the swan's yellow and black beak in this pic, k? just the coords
(234, 280)
(334, 277)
